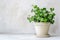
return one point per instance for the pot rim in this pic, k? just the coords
(41, 22)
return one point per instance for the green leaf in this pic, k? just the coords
(53, 14)
(41, 19)
(52, 21)
(29, 19)
(51, 9)
(47, 11)
(45, 15)
(35, 6)
(44, 8)
(45, 20)
(42, 15)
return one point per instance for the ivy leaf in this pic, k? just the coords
(45, 15)
(50, 16)
(35, 6)
(53, 14)
(52, 21)
(42, 15)
(41, 19)
(51, 9)
(29, 19)
(47, 11)
(45, 20)
(44, 10)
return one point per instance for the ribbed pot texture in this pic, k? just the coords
(42, 29)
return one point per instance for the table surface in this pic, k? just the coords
(25, 37)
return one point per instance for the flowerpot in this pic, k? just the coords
(42, 29)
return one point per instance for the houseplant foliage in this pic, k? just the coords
(42, 15)
(42, 18)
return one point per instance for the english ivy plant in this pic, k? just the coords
(42, 15)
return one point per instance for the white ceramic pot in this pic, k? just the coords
(42, 29)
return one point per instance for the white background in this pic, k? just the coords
(13, 15)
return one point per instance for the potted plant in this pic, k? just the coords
(42, 19)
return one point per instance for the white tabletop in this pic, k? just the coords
(25, 37)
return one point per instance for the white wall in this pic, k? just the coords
(55, 29)
(13, 15)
